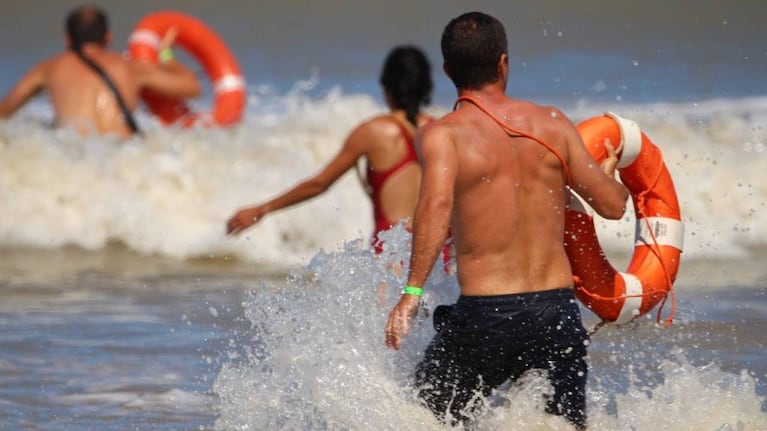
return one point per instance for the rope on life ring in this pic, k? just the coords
(209, 50)
(620, 297)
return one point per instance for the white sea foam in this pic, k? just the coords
(172, 193)
(316, 360)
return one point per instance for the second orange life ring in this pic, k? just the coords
(615, 296)
(201, 42)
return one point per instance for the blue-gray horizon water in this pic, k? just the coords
(637, 52)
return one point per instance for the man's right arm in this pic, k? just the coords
(596, 184)
(431, 222)
(29, 85)
(171, 79)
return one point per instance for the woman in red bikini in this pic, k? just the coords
(386, 142)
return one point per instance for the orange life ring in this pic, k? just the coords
(619, 297)
(207, 48)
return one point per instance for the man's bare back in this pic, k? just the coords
(498, 249)
(81, 99)
(79, 96)
(510, 194)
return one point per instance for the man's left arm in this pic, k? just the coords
(29, 85)
(170, 78)
(431, 222)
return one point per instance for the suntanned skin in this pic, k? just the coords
(82, 100)
(503, 198)
(380, 140)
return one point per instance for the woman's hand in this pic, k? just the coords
(244, 219)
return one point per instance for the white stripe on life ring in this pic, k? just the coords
(145, 37)
(633, 299)
(228, 83)
(576, 203)
(631, 140)
(666, 231)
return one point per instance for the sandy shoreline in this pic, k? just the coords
(29, 265)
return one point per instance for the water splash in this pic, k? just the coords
(316, 361)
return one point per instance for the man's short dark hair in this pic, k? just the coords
(87, 24)
(472, 44)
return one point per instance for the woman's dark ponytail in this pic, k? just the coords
(406, 76)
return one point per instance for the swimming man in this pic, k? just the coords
(80, 97)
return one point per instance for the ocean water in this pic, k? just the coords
(125, 306)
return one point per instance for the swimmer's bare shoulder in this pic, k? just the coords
(375, 129)
(435, 140)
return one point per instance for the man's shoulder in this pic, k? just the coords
(445, 125)
(55, 60)
(538, 116)
(108, 59)
(133, 62)
(52, 65)
(533, 108)
(440, 129)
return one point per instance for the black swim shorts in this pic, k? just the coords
(483, 341)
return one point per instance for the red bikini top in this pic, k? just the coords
(376, 179)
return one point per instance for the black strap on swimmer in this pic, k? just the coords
(129, 119)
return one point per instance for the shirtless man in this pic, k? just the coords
(80, 97)
(495, 170)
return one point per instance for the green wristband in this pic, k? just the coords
(412, 290)
(165, 55)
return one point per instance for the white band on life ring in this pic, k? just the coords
(665, 231)
(633, 299)
(228, 83)
(631, 140)
(576, 203)
(144, 37)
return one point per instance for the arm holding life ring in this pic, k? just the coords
(169, 78)
(622, 296)
(210, 51)
(604, 193)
